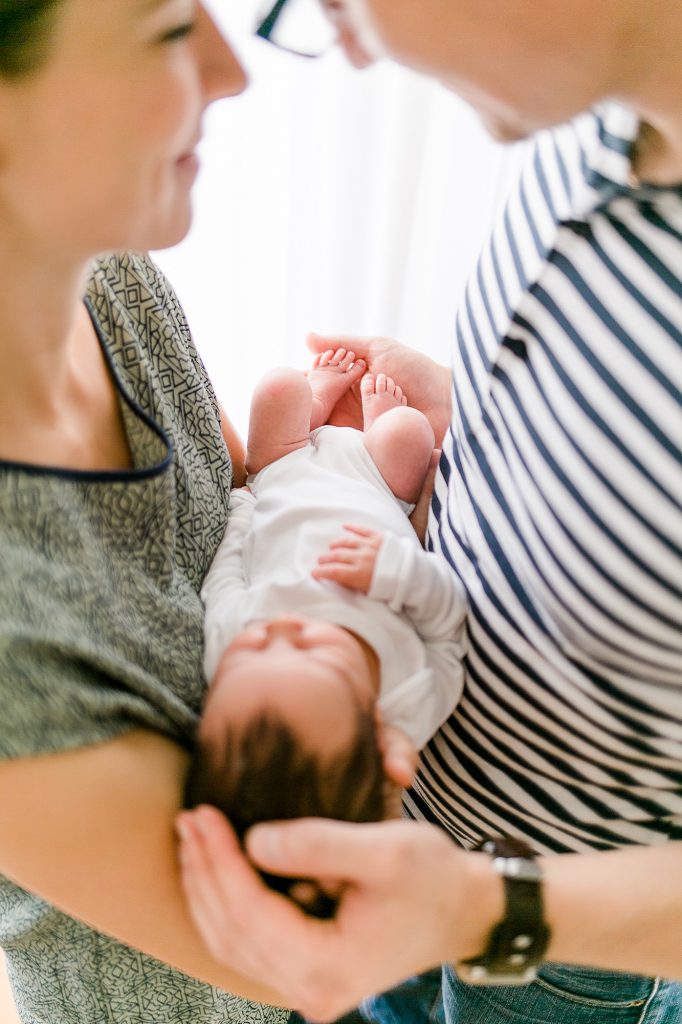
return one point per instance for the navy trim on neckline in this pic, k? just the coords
(105, 475)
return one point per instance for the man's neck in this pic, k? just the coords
(655, 88)
(658, 155)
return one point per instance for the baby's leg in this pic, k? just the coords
(399, 438)
(279, 422)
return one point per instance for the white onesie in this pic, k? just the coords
(413, 615)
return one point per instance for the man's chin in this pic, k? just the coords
(501, 124)
(505, 131)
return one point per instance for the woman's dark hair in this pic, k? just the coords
(24, 33)
(263, 772)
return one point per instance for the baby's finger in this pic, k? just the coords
(343, 574)
(339, 557)
(344, 542)
(361, 531)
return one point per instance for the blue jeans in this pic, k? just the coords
(560, 995)
(418, 1000)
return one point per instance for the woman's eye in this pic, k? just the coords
(179, 32)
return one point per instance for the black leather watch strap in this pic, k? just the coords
(516, 945)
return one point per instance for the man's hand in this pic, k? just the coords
(405, 888)
(426, 382)
(420, 515)
(350, 559)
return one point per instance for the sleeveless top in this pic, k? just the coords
(101, 631)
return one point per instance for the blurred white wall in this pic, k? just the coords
(329, 200)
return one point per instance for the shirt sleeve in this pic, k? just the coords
(421, 585)
(59, 699)
(225, 585)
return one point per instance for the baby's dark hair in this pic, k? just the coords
(264, 772)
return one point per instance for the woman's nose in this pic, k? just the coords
(221, 71)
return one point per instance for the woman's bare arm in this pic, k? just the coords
(235, 447)
(91, 831)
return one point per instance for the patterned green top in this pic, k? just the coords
(101, 632)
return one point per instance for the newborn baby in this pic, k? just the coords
(325, 619)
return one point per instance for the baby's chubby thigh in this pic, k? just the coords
(400, 443)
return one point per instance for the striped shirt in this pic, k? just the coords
(558, 504)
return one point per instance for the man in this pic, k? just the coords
(557, 503)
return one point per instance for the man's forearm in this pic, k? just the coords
(621, 909)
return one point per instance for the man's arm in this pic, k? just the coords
(91, 831)
(413, 899)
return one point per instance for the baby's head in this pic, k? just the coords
(289, 730)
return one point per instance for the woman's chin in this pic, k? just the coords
(167, 235)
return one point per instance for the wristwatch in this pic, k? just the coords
(516, 945)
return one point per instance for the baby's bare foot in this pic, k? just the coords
(333, 373)
(379, 394)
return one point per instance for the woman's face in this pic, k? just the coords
(97, 147)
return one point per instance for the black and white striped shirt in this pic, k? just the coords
(559, 506)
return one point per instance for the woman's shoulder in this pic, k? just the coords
(130, 284)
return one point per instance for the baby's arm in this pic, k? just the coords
(225, 585)
(350, 560)
(421, 585)
(392, 569)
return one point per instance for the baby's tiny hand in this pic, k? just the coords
(350, 560)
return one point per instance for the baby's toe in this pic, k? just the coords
(367, 385)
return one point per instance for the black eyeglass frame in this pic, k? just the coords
(266, 26)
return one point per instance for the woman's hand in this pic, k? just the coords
(425, 382)
(404, 890)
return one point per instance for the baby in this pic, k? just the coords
(325, 619)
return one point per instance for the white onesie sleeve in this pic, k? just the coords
(224, 586)
(421, 585)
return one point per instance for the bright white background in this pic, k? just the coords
(329, 200)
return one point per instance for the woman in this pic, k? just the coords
(114, 474)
